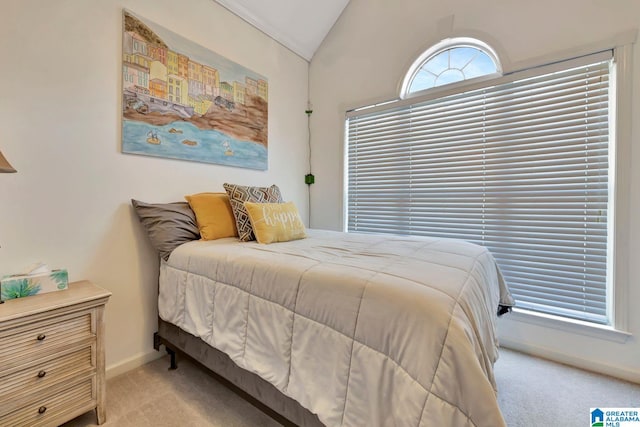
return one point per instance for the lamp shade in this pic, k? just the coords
(5, 167)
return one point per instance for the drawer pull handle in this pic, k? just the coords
(41, 337)
(42, 374)
(42, 409)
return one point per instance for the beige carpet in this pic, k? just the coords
(532, 392)
(535, 392)
(152, 396)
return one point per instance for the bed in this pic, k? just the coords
(342, 329)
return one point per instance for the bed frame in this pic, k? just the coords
(257, 391)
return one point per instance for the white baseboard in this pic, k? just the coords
(571, 360)
(132, 363)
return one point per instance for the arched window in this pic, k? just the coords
(451, 61)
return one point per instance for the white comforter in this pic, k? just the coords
(362, 330)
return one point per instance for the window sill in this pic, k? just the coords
(569, 325)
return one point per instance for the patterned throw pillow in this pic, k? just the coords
(238, 194)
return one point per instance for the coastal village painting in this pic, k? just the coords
(183, 101)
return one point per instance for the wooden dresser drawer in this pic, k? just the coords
(33, 341)
(33, 379)
(52, 361)
(50, 409)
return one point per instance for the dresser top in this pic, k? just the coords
(77, 293)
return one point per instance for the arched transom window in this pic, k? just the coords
(451, 61)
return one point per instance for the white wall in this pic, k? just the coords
(364, 59)
(60, 127)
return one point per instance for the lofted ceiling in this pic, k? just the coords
(299, 25)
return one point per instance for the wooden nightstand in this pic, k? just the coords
(52, 365)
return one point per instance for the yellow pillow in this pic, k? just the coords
(213, 215)
(275, 222)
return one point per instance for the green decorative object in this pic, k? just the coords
(61, 277)
(19, 286)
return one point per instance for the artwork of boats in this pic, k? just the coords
(152, 138)
(216, 113)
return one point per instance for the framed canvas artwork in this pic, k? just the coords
(183, 101)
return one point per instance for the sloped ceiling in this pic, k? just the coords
(299, 25)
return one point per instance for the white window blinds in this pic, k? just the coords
(520, 166)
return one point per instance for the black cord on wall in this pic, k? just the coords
(309, 178)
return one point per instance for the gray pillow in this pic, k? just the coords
(168, 225)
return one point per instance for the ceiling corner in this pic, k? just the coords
(299, 25)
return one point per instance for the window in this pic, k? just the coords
(452, 61)
(518, 163)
